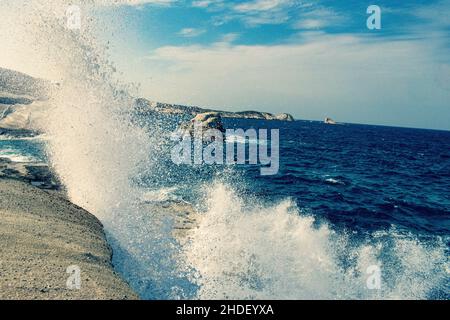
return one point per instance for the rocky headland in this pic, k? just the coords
(144, 105)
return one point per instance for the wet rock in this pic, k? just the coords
(207, 121)
(329, 121)
(285, 117)
(42, 235)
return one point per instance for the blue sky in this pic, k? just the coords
(313, 59)
(266, 21)
(309, 58)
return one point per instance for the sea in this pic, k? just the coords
(348, 198)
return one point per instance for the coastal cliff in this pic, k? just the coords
(43, 234)
(22, 101)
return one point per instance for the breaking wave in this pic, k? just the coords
(266, 252)
(238, 249)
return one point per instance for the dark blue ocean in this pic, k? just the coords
(384, 191)
(355, 176)
(361, 176)
(384, 187)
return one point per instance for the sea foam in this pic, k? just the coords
(244, 251)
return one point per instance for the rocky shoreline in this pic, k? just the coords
(43, 235)
(35, 173)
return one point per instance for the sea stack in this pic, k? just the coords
(285, 117)
(207, 120)
(329, 121)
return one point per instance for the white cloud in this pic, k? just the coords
(202, 3)
(319, 18)
(299, 14)
(346, 77)
(310, 24)
(261, 5)
(229, 37)
(435, 13)
(133, 2)
(252, 13)
(260, 12)
(191, 32)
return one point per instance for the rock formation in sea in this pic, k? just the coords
(22, 102)
(207, 120)
(22, 87)
(285, 117)
(143, 106)
(329, 121)
(37, 174)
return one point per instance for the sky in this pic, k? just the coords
(313, 59)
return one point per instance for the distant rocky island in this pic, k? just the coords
(329, 121)
(166, 108)
(22, 102)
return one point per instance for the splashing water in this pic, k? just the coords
(236, 251)
(276, 252)
(91, 135)
(92, 143)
